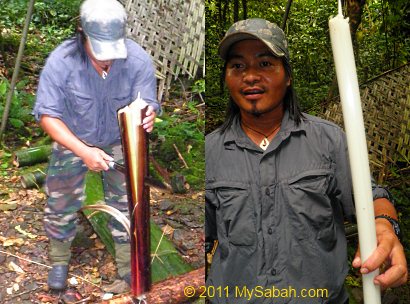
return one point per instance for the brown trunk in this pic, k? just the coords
(354, 12)
(235, 10)
(245, 9)
(171, 291)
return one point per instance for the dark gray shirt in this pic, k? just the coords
(278, 214)
(71, 89)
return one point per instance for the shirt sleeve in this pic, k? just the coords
(50, 93)
(210, 216)
(343, 180)
(146, 85)
(380, 192)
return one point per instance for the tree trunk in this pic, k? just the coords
(224, 17)
(235, 10)
(285, 17)
(171, 291)
(354, 12)
(245, 9)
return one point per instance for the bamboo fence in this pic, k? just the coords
(386, 113)
(172, 32)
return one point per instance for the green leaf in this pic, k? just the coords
(3, 87)
(17, 123)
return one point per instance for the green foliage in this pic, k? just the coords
(173, 129)
(51, 22)
(199, 86)
(353, 281)
(21, 104)
(401, 196)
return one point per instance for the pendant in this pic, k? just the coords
(264, 144)
(104, 74)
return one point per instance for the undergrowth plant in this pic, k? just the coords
(182, 130)
(21, 104)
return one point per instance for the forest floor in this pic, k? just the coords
(24, 260)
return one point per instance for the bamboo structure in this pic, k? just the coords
(31, 156)
(386, 110)
(135, 149)
(173, 33)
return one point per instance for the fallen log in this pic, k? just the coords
(179, 289)
(31, 156)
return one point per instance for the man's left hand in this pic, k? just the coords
(148, 122)
(389, 255)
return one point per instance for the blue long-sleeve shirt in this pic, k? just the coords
(72, 90)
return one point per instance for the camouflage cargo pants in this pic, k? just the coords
(65, 190)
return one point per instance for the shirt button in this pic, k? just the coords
(267, 192)
(273, 271)
(270, 231)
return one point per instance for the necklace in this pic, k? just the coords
(265, 141)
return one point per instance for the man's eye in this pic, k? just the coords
(265, 64)
(237, 65)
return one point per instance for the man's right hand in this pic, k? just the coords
(95, 159)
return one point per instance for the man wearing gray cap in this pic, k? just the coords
(84, 82)
(278, 187)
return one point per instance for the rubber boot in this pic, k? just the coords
(123, 260)
(59, 254)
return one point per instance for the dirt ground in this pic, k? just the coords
(23, 244)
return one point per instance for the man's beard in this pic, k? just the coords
(254, 111)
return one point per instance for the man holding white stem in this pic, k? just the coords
(278, 186)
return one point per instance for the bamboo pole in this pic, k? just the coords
(135, 148)
(31, 156)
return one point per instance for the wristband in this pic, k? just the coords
(393, 222)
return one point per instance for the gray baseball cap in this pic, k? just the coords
(267, 32)
(103, 22)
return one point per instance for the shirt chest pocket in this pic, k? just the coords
(120, 100)
(83, 102)
(84, 110)
(237, 218)
(310, 208)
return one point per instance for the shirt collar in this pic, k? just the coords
(235, 134)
